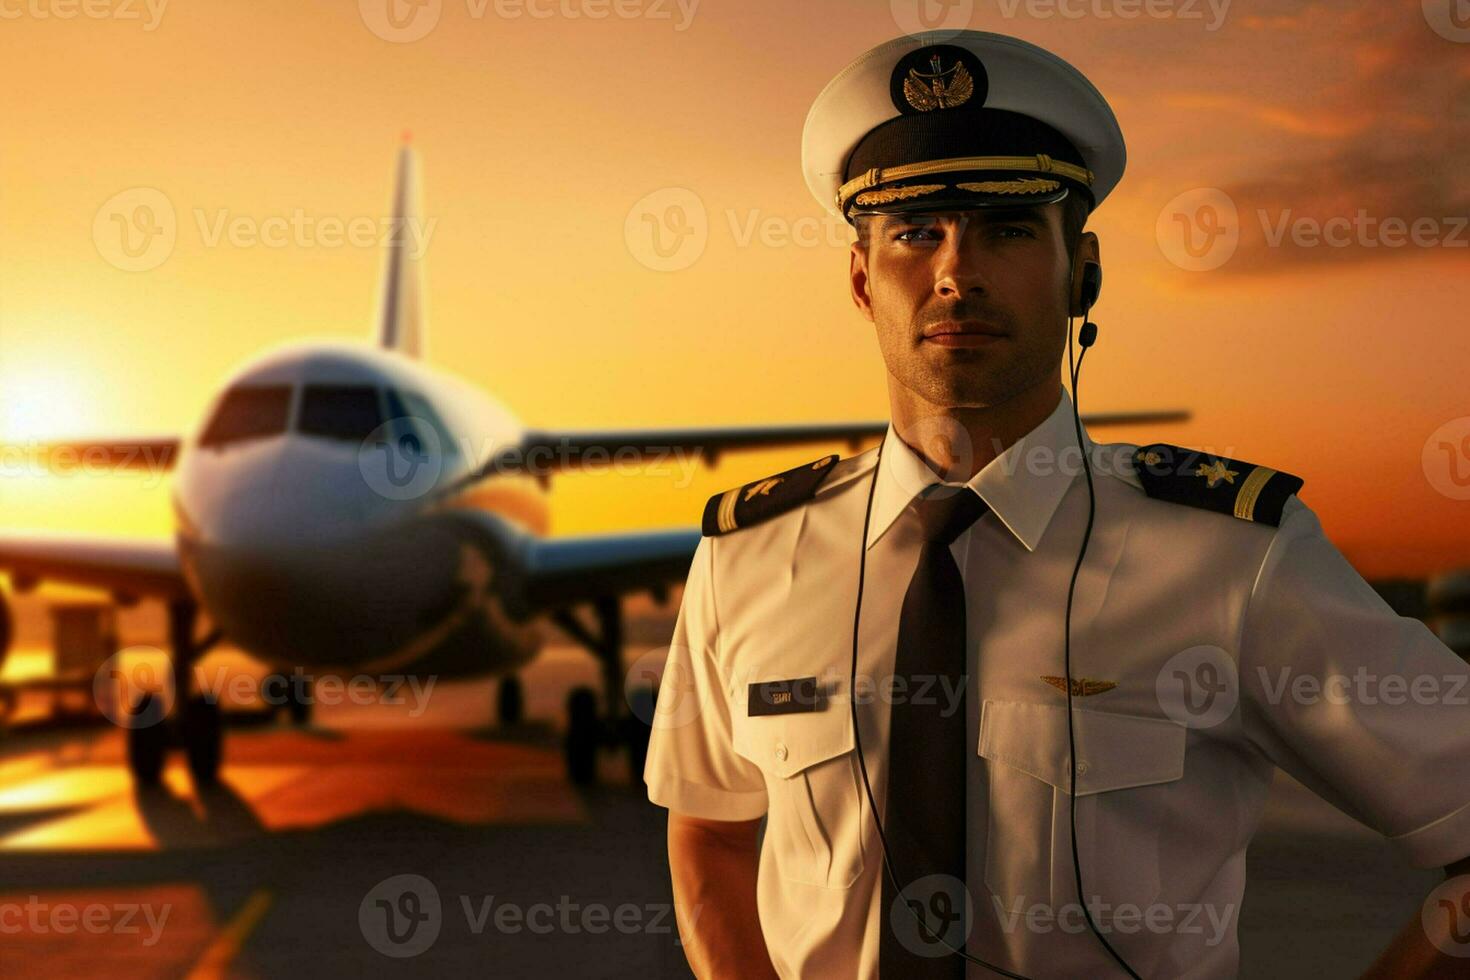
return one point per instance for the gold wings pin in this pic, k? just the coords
(1082, 687)
(929, 92)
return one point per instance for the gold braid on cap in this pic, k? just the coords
(890, 194)
(1023, 185)
(1039, 163)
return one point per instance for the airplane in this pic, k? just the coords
(345, 507)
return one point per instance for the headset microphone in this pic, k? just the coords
(1089, 288)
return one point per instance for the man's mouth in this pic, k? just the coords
(962, 333)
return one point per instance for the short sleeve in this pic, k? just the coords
(692, 767)
(1365, 707)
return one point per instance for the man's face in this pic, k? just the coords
(970, 306)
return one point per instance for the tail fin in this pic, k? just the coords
(401, 315)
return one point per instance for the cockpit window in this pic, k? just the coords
(248, 412)
(412, 412)
(347, 412)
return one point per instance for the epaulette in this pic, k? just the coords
(1199, 479)
(763, 499)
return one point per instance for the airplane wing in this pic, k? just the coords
(150, 454)
(131, 567)
(561, 571)
(543, 452)
(535, 574)
(574, 449)
(549, 573)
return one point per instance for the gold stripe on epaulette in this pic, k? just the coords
(1250, 491)
(725, 515)
(1025, 185)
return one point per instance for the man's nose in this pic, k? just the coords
(958, 269)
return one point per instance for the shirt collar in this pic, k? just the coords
(1023, 485)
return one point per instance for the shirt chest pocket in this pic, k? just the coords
(1128, 768)
(815, 802)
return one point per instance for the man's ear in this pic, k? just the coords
(1089, 249)
(858, 281)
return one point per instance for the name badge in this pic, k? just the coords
(783, 697)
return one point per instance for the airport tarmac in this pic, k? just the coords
(292, 866)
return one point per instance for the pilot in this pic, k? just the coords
(972, 703)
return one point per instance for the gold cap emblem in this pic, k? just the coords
(940, 88)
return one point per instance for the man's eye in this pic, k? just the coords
(917, 235)
(1020, 231)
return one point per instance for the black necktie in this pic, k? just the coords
(925, 811)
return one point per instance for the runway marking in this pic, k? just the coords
(226, 946)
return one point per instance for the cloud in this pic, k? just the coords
(1382, 138)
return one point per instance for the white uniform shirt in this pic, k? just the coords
(1233, 646)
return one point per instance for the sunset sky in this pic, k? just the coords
(545, 125)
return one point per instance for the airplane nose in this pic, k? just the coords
(279, 494)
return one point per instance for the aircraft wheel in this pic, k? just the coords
(296, 703)
(582, 736)
(147, 740)
(510, 704)
(6, 628)
(300, 708)
(203, 740)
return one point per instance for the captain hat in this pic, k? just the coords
(959, 119)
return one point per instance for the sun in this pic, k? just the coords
(41, 402)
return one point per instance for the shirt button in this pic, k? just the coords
(780, 752)
(1081, 766)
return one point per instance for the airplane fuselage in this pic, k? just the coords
(319, 526)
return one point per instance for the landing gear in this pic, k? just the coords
(148, 740)
(294, 695)
(510, 702)
(587, 731)
(194, 724)
(203, 740)
(584, 736)
(637, 729)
